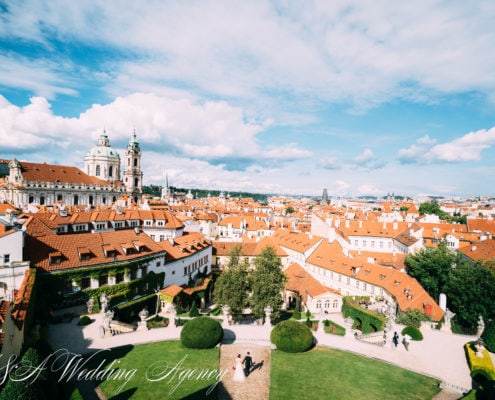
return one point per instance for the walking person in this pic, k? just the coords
(395, 339)
(248, 363)
(238, 371)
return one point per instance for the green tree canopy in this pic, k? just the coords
(232, 286)
(431, 267)
(469, 293)
(267, 283)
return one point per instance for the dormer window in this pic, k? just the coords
(160, 223)
(128, 248)
(55, 258)
(84, 253)
(139, 246)
(148, 222)
(382, 277)
(109, 251)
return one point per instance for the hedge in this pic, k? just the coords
(201, 333)
(371, 321)
(130, 311)
(479, 365)
(333, 328)
(84, 320)
(413, 332)
(292, 336)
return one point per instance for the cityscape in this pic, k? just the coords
(237, 200)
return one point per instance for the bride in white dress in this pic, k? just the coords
(239, 370)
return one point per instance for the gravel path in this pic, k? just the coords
(257, 384)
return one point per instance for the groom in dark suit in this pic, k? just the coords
(248, 363)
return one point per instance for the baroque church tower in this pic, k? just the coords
(133, 175)
(102, 161)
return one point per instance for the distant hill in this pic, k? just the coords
(156, 191)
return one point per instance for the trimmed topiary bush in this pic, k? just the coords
(292, 336)
(193, 312)
(201, 333)
(84, 320)
(415, 333)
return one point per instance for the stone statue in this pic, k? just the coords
(90, 304)
(481, 326)
(143, 314)
(104, 302)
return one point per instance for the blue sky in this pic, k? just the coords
(359, 97)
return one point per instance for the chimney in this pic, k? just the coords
(395, 226)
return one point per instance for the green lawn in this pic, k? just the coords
(163, 370)
(318, 374)
(332, 374)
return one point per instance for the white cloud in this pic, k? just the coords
(42, 77)
(466, 148)
(329, 163)
(368, 161)
(368, 53)
(368, 190)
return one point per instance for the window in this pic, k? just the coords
(110, 171)
(185, 270)
(160, 223)
(135, 162)
(98, 170)
(327, 303)
(76, 200)
(318, 304)
(6, 258)
(356, 243)
(364, 243)
(103, 280)
(335, 303)
(148, 222)
(372, 243)
(381, 244)
(85, 283)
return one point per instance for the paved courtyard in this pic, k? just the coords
(440, 354)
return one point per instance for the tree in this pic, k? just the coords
(231, 287)
(289, 210)
(431, 267)
(267, 283)
(470, 294)
(430, 208)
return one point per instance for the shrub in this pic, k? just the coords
(479, 366)
(415, 333)
(193, 312)
(292, 336)
(411, 318)
(201, 333)
(333, 328)
(488, 337)
(296, 314)
(84, 320)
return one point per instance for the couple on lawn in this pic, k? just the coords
(240, 373)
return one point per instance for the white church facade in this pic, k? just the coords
(24, 184)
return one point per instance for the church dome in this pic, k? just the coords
(103, 149)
